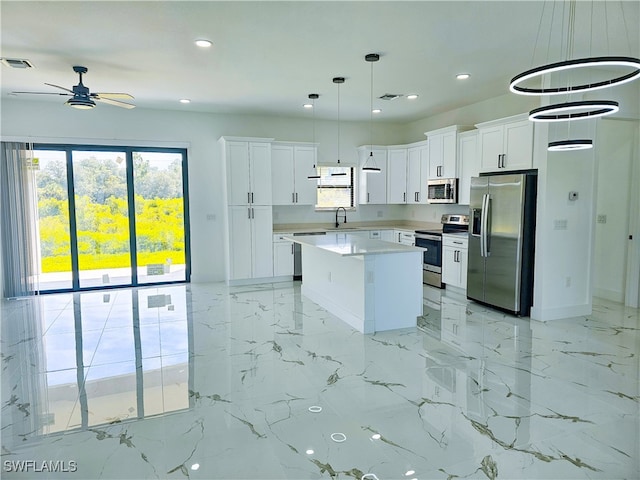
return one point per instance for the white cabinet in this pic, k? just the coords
(250, 242)
(291, 165)
(282, 256)
(249, 218)
(442, 153)
(454, 260)
(405, 237)
(396, 175)
(506, 144)
(373, 186)
(417, 172)
(248, 171)
(468, 164)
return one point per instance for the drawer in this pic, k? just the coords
(279, 237)
(455, 241)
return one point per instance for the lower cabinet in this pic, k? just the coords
(405, 237)
(454, 260)
(282, 256)
(250, 242)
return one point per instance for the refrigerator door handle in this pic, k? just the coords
(487, 226)
(484, 247)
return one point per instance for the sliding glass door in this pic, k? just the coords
(159, 216)
(102, 218)
(111, 217)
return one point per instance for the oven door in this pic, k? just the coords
(432, 246)
(432, 258)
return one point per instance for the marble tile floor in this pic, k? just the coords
(205, 381)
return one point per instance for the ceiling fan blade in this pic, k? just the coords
(58, 86)
(112, 95)
(117, 103)
(41, 93)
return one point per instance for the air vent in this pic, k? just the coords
(17, 63)
(390, 96)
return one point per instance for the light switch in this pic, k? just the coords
(560, 224)
(602, 219)
(573, 196)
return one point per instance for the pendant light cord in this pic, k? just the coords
(338, 153)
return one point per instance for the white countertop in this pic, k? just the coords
(349, 245)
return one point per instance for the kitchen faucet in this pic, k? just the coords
(345, 216)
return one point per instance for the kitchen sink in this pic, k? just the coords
(343, 229)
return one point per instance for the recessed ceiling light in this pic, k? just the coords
(195, 466)
(185, 100)
(408, 473)
(412, 96)
(307, 105)
(309, 452)
(462, 76)
(376, 436)
(376, 110)
(203, 43)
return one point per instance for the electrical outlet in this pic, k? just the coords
(560, 224)
(211, 217)
(602, 219)
(379, 213)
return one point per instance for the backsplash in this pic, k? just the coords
(366, 213)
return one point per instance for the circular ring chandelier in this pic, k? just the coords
(569, 145)
(581, 110)
(515, 85)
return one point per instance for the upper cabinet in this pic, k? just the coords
(417, 172)
(373, 185)
(291, 166)
(443, 151)
(506, 144)
(248, 171)
(397, 175)
(468, 164)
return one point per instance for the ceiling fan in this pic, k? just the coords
(82, 98)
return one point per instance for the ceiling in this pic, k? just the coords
(268, 56)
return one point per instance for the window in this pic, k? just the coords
(335, 188)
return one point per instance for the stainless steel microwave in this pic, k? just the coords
(442, 190)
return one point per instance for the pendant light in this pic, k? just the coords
(338, 81)
(313, 97)
(606, 63)
(573, 110)
(370, 162)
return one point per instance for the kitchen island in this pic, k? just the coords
(371, 285)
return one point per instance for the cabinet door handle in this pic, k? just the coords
(292, 249)
(367, 197)
(398, 238)
(404, 197)
(293, 197)
(251, 197)
(504, 157)
(248, 213)
(248, 197)
(296, 197)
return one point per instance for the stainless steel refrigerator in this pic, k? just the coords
(501, 241)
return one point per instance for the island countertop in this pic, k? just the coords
(351, 245)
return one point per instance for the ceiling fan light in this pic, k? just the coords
(81, 103)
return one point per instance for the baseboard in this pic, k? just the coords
(612, 295)
(558, 313)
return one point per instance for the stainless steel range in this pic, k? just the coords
(431, 242)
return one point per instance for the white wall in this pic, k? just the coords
(52, 122)
(491, 109)
(615, 145)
